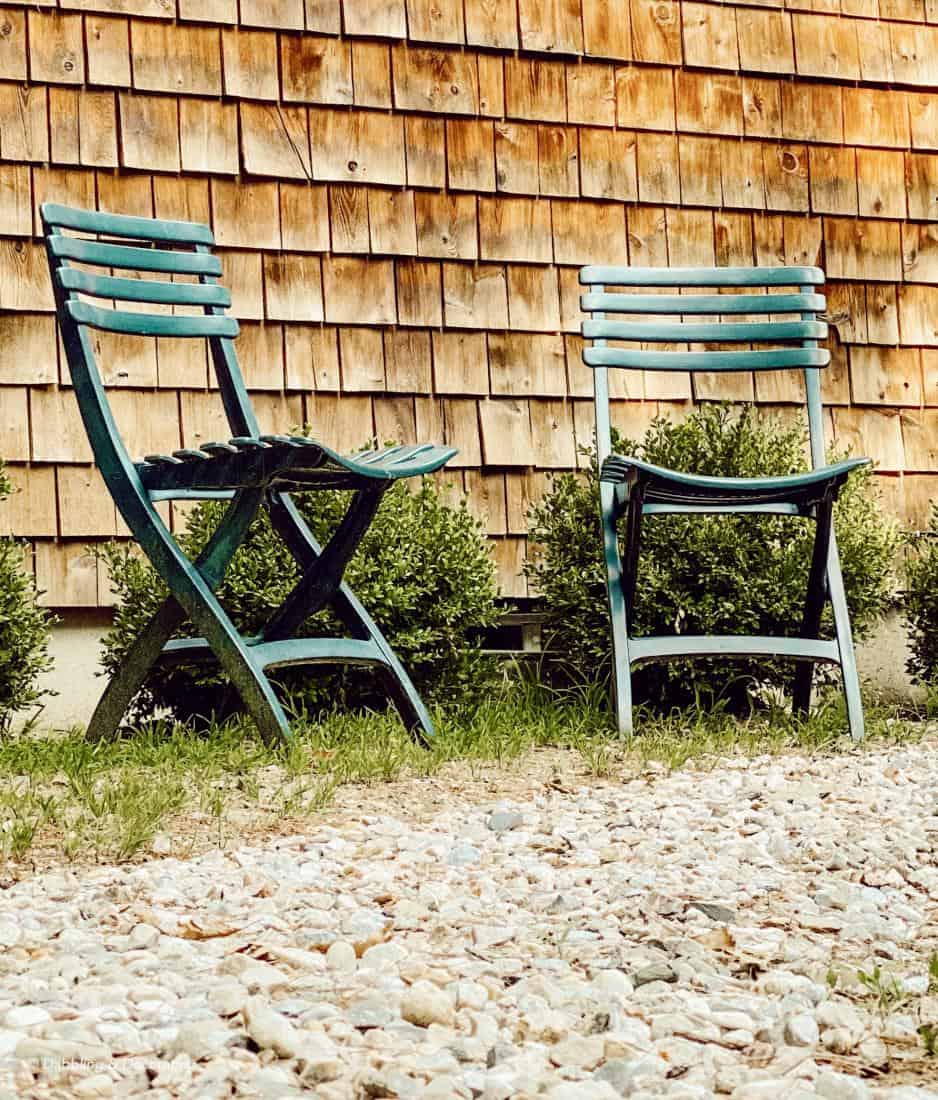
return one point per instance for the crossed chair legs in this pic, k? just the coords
(825, 581)
(193, 584)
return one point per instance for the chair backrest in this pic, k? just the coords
(781, 314)
(189, 303)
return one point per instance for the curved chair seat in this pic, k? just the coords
(290, 463)
(660, 485)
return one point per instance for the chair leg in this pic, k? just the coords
(618, 613)
(848, 660)
(145, 651)
(295, 532)
(814, 604)
(192, 584)
(133, 670)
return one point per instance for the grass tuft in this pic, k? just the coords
(107, 800)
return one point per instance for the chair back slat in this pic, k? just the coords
(143, 246)
(121, 225)
(151, 324)
(130, 258)
(694, 304)
(701, 276)
(781, 328)
(715, 333)
(711, 361)
(144, 290)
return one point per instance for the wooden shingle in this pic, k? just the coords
(645, 98)
(607, 29)
(348, 219)
(490, 23)
(470, 155)
(371, 74)
(460, 363)
(591, 94)
(358, 291)
(24, 123)
(208, 132)
(607, 164)
(107, 41)
(275, 141)
(826, 45)
(533, 298)
(436, 21)
(149, 132)
(446, 225)
(516, 158)
(408, 362)
(710, 38)
(168, 57)
(292, 287)
(377, 18)
(475, 296)
(246, 215)
(535, 90)
(250, 64)
(766, 43)
(833, 173)
(515, 229)
(280, 14)
(57, 49)
(435, 80)
(656, 31)
(558, 161)
(419, 293)
(316, 70)
(13, 62)
(551, 26)
(588, 232)
(357, 146)
(392, 222)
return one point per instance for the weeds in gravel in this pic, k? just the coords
(886, 990)
(109, 799)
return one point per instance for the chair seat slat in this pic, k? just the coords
(150, 324)
(144, 290)
(122, 225)
(696, 276)
(773, 359)
(684, 304)
(127, 257)
(715, 333)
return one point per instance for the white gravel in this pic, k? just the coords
(683, 936)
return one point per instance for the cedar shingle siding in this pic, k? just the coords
(402, 191)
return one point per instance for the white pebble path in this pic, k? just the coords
(670, 936)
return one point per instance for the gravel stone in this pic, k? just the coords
(424, 1004)
(668, 937)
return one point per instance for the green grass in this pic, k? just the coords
(109, 799)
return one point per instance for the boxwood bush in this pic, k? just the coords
(24, 630)
(423, 571)
(703, 574)
(920, 609)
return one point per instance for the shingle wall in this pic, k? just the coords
(402, 191)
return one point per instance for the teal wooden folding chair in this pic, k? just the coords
(785, 336)
(251, 470)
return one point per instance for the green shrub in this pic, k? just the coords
(920, 605)
(423, 571)
(703, 574)
(24, 630)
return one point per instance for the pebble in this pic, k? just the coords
(424, 1004)
(801, 1030)
(687, 935)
